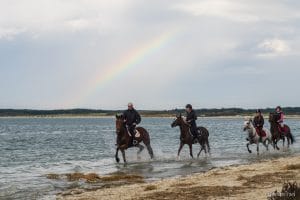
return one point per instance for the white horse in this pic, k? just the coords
(254, 138)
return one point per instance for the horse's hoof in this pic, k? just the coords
(250, 151)
(118, 160)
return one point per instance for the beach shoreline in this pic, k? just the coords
(248, 181)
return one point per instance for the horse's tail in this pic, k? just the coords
(207, 145)
(292, 138)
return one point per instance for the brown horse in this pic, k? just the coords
(277, 134)
(187, 138)
(124, 140)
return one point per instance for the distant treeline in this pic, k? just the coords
(92, 112)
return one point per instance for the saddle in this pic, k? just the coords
(137, 134)
(261, 132)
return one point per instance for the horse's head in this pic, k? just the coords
(273, 117)
(247, 125)
(178, 121)
(119, 123)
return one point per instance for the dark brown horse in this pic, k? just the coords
(124, 140)
(277, 134)
(187, 138)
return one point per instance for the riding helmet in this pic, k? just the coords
(189, 106)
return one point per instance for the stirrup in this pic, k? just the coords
(134, 142)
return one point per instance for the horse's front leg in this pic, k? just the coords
(180, 147)
(248, 147)
(117, 156)
(191, 150)
(124, 157)
(257, 148)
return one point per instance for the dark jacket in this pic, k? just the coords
(131, 116)
(191, 118)
(258, 121)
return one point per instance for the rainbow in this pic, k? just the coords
(126, 63)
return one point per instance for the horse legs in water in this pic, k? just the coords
(180, 147)
(266, 145)
(257, 148)
(141, 148)
(116, 156)
(248, 147)
(150, 151)
(123, 154)
(191, 150)
(202, 147)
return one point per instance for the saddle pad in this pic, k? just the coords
(137, 134)
(261, 133)
(283, 129)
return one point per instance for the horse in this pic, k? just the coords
(187, 138)
(277, 134)
(253, 136)
(124, 140)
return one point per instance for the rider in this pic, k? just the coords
(258, 123)
(281, 117)
(131, 119)
(191, 118)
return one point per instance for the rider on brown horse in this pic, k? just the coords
(258, 123)
(191, 118)
(131, 119)
(280, 119)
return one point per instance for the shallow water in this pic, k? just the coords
(30, 148)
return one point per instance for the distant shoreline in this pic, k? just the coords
(145, 116)
(291, 112)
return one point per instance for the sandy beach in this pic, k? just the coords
(252, 181)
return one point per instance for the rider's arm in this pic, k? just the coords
(195, 116)
(138, 118)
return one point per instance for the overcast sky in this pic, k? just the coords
(225, 53)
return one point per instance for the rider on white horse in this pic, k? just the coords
(254, 138)
(258, 123)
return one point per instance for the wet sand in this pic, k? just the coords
(252, 181)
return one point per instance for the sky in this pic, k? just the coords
(102, 54)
